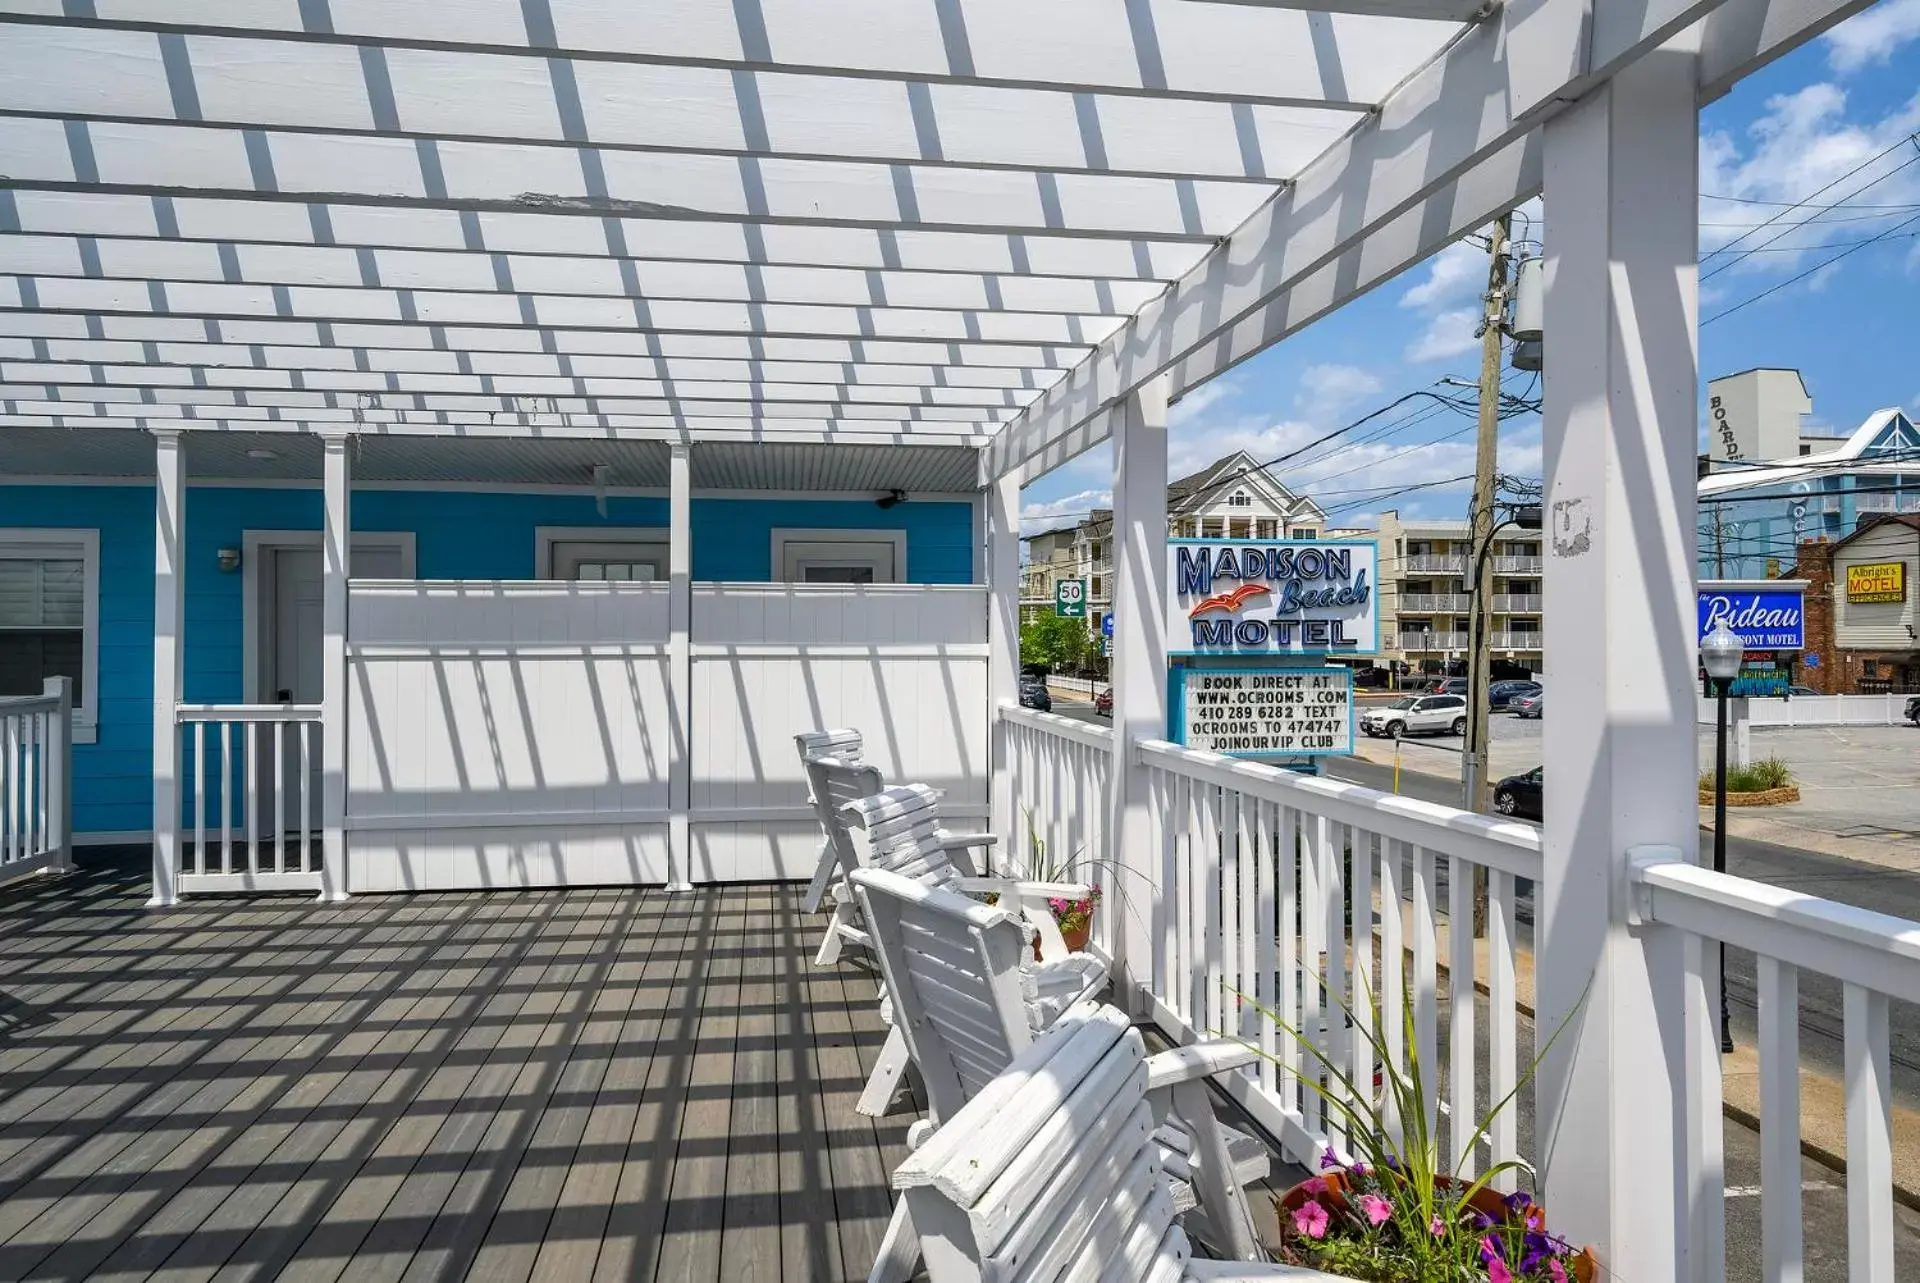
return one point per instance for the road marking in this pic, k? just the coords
(1753, 1191)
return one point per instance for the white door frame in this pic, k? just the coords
(545, 537)
(255, 547)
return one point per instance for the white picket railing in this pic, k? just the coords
(36, 780)
(1875, 958)
(250, 800)
(1061, 770)
(1305, 897)
(1816, 710)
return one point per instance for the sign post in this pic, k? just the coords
(1070, 598)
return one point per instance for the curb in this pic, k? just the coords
(1763, 797)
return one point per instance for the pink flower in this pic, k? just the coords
(1497, 1271)
(1438, 1227)
(1556, 1272)
(1376, 1209)
(1314, 1188)
(1310, 1219)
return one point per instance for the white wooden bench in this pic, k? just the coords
(898, 830)
(969, 1002)
(836, 775)
(1049, 1172)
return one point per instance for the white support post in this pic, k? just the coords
(1621, 182)
(57, 770)
(169, 597)
(1139, 599)
(680, 667)
(1003, 643)
(1742, 718)
(335, 568)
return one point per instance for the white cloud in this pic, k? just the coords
(1328, 388)
(1455, 272)
(1873, 35)
(1200, 400)
(1065, 511)
(1448, 335)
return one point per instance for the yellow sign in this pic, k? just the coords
(1883, 581)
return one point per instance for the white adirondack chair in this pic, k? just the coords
(836, 776)
(965, 999)
(1050, 1171)
(898, 830)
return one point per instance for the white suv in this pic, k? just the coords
(1417, 715)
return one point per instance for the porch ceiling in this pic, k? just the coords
(863, 221)
(287, 455)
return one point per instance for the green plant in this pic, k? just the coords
(1763, 775)
(1393, 1215)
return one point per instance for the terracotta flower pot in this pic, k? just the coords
(1075, 937)
(1488, 1202)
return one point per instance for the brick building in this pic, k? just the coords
(1860, 609)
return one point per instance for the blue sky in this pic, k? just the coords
(1846, 102)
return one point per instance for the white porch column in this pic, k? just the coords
(169, 595)
(336, 541)
(1621, 185)
(1003, 645)
(680, 667)
(1139, 677)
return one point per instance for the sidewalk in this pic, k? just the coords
(1823, 1099)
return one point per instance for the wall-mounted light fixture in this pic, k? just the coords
(891, 499)
(229, 559)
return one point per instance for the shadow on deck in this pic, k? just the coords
(606, 1084)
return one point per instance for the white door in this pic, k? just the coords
(618, 561)
(291, 674)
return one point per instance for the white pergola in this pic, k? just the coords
(1019, 227)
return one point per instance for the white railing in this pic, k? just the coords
(1518, 565)
(1874, 958)
(1420, 602)
(1306, 897)
(1515, 641)
(1516, 604)
(1446, 563)
(1061, 770)
(36, 779)
(1417, 642)
(1817, 710)
(250, 797)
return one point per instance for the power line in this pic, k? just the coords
(1810, 195)
(1790, 228)
(1852, 249)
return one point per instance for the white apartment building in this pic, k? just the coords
(1425, 613)
(1230, 498)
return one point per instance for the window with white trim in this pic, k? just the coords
(50, 616)
(840, 556)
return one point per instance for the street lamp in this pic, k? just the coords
(1720, 655)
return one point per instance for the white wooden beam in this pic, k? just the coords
(169, 619)
(1424, 10)
(335, 570)
(680, 668)
(1483, 94)
(743, 431)
(1002, 574)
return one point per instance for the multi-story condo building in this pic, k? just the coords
(1426, 615)
(1230, 498)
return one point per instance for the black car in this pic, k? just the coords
(1502, 694)
(1519, 795)
(1033, 694)
(1913, 710)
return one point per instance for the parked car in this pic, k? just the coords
(1448, 686)
(1417, 715)
(1372, 678)
(1913, 710)
(1034, 694)
(1801, 690)
(1528, 705)
(1103, 703)
(1519, 794)
(1502, 694)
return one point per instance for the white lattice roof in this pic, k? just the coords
(956, 223)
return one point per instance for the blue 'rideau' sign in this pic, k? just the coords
(1761, 619)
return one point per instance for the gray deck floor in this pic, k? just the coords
(606, 1084)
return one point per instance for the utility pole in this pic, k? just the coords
(1477, 789)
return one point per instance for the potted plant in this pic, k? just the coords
(1072, 914)
(1389, 1213)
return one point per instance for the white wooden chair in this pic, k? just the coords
(835, 776)
(965, 998)
(1050, 1172)
(898, 830)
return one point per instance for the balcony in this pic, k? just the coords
(1418, 643)
(1518, 565)
(1448, 563)
(1434, 603)
(1516, 641)
(1516, 603)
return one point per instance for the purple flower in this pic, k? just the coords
(1375, 1208)
(1329, 1159)
(1310, 1219)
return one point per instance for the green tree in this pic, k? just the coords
(1063, 645)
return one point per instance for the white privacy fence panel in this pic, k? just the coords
(506, 734)
(36, 776)
(1874, 958)
(250, 797)
(1310, 898)
(1817, 710)
(1062, 772)
(904, 664)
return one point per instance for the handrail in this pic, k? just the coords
(1504, 845)
(1874, 950)
(29, 704)
(188, 713)
(1098, 737)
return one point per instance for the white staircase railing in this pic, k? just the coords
(250, 797)
(1875, 958)
(1061, 770)
(36, 779)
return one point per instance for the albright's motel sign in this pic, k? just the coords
(1297, 597)
(1766, 614)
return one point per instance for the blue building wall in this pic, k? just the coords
(457, 534)
(1742, 531)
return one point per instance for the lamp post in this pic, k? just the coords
(1720, 655)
